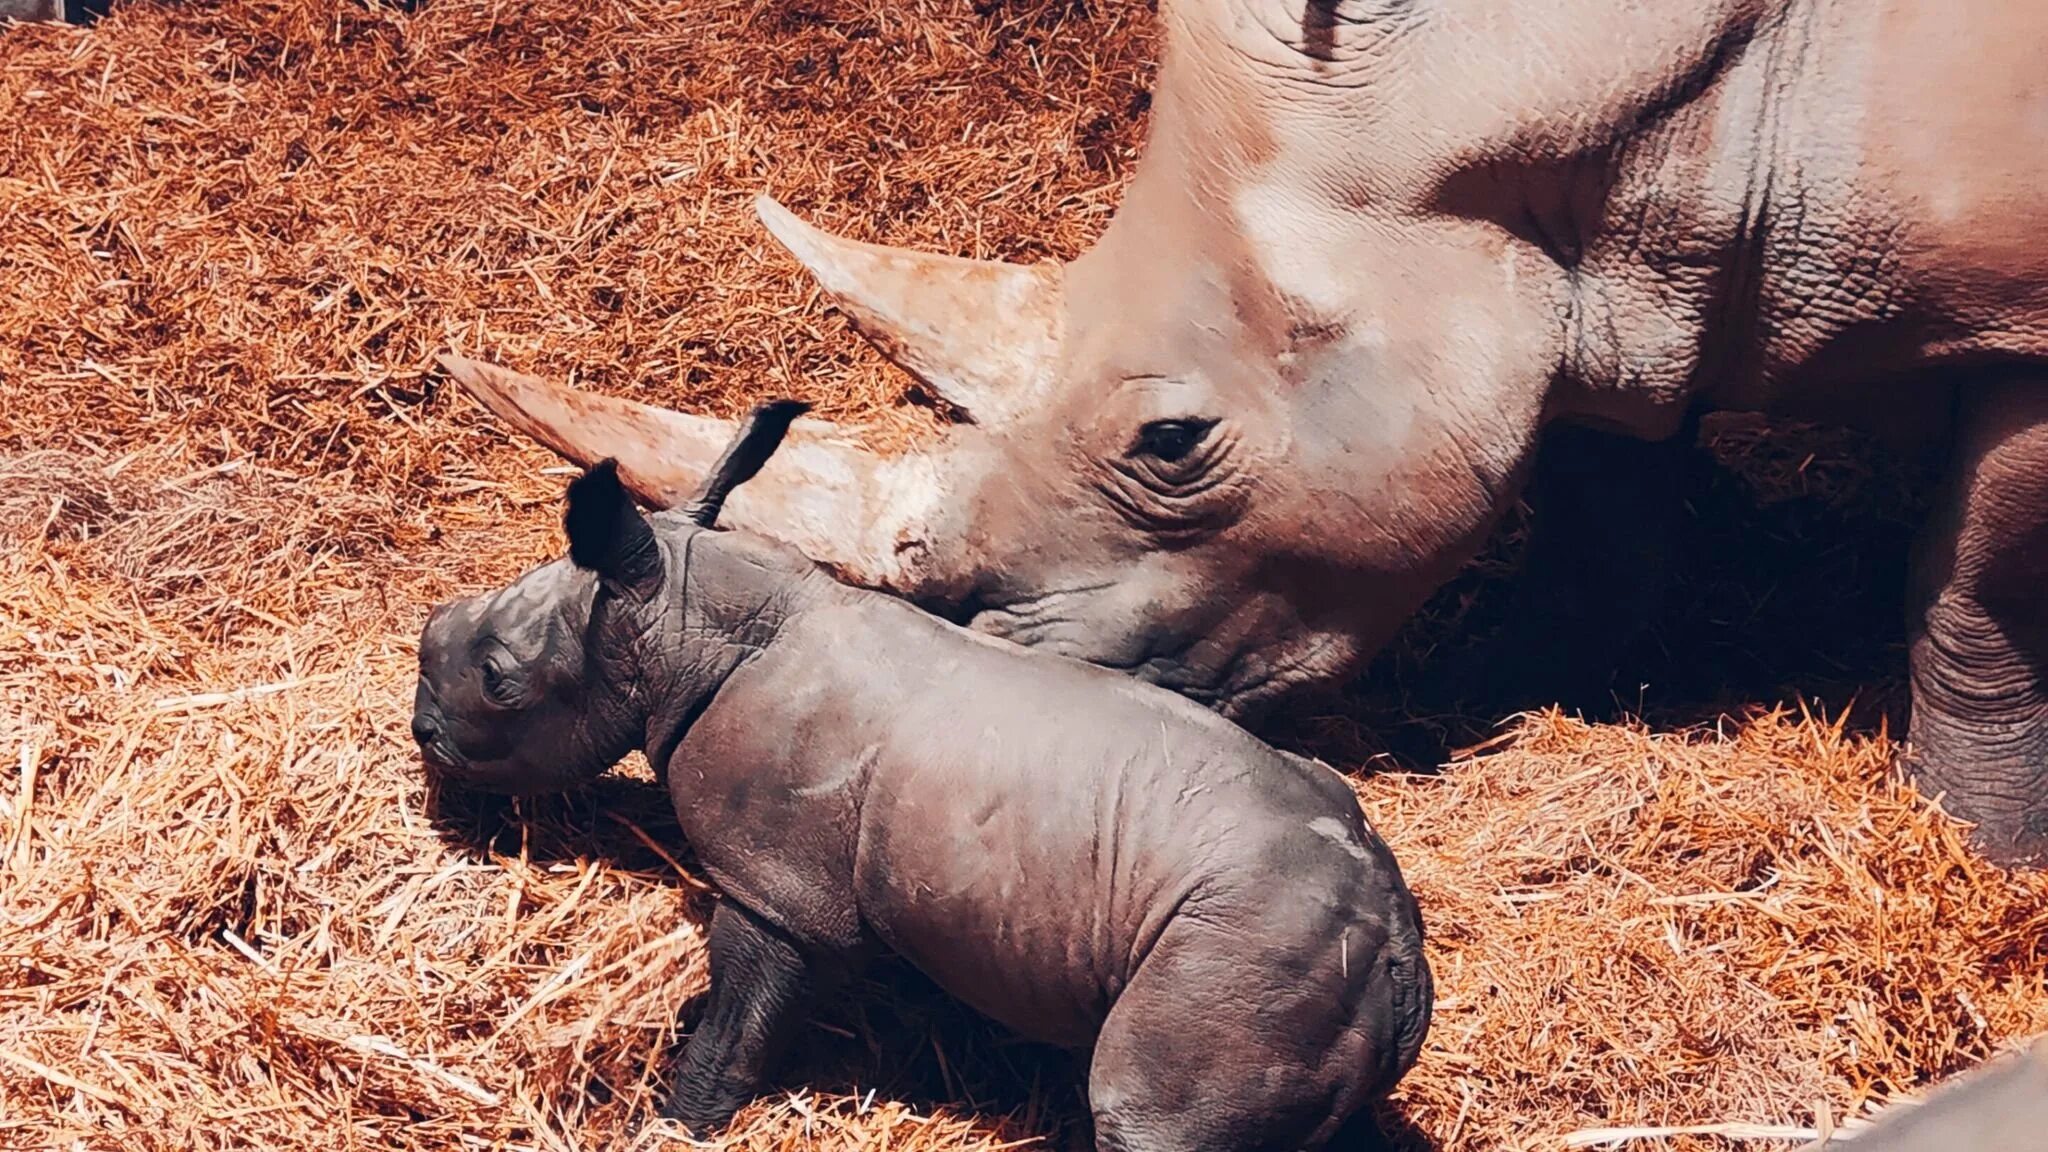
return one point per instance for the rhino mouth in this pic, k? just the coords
(1153, 654)
(1243, 682)
(439, 761)
(432, 734)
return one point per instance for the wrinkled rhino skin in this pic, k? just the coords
(1374, 250)
(1092, 861)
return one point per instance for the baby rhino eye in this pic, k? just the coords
(498, 681)
(1170, 440)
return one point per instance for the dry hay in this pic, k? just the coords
(230, 916)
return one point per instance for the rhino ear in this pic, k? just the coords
(759, 435)
(609, 536)
(980, 334)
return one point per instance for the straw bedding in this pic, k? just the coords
(231, 238)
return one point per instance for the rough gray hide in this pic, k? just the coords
(1091, 860)
(1999, 1107)
(32, 9)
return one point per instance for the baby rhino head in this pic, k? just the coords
(544, 685)
(527, 689)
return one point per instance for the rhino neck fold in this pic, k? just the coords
(729, 598)
(1721, 179)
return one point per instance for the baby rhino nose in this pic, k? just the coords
(426, 715)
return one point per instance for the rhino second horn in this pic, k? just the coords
(980, 334)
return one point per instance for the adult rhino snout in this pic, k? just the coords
(1241, 655)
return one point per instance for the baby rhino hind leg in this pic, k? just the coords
(1233, 1041)
(1979, 729)
(760, 985)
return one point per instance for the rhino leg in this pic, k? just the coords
(760, 985)
(1979, 730)
(1606, 511)
(1224, 1040)
(1361, 1133)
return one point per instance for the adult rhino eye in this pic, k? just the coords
(1170, 440)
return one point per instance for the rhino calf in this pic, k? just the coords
(1095, 862)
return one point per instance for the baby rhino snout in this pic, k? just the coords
(427, 721)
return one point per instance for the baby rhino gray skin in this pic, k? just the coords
(1090, 860)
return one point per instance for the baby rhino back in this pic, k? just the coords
(1100, 863)
(1092, 861)
(1022, 828)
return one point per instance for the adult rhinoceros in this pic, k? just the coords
(1374, 249)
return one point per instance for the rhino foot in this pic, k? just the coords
(760, 985)
(1979, 732)
(1979, 729)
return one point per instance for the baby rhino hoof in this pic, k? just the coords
(694, 1120)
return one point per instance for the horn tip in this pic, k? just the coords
(466, 371)
(789, 229)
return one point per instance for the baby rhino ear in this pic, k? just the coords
(609, 536)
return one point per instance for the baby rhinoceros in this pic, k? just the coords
(1093, 861)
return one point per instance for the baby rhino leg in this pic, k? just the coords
(1979, 730)
(759, 986)
(1235, 1041)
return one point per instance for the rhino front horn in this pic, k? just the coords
(839, 504)
(980, 334)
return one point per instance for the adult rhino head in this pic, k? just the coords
(1155, 459)
(1232, 446)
